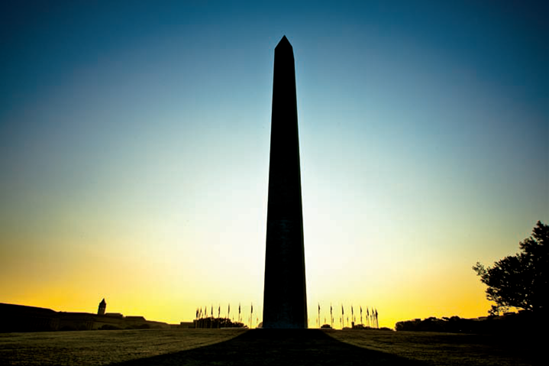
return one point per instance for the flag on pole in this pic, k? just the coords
(252, 315)
(319, 315)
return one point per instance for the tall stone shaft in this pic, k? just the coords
(285, 297)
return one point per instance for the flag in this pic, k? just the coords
(238, 308)
(330, 309)
(352, 311)
(252, 308)
(319, 314)
(342, 311)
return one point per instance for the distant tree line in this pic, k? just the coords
(510, 323)
(217, 323)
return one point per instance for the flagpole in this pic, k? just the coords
(319, 315)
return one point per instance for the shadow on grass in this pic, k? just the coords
(277, 347)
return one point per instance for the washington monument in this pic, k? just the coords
(285, 297)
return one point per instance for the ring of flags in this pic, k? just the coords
(368, 318)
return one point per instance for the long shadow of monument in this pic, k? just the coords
(277, 347)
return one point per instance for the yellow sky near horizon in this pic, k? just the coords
(167, 282)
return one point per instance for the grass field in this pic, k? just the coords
(102, 347)
(447, 348)
(261, 347)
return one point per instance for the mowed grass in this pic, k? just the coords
(309, 347)
(103, 347)
(435, 348)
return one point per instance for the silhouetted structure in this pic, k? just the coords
(102, 307)
(285, 299)
(20, 318)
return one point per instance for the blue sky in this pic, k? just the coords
(134, 138)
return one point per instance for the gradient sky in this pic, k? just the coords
(134, 151)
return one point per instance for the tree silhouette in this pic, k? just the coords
(520, 281)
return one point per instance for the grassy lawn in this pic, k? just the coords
(445, 348)
(102, 347)
(262, 347)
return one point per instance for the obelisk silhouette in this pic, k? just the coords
(285, 297)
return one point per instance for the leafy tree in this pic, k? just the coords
(520, 281)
